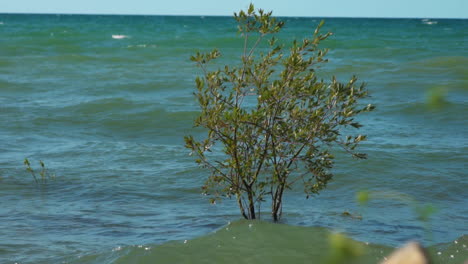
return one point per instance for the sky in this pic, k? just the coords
(303, 8)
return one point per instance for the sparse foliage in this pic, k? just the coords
(43, 173)
(271, 121)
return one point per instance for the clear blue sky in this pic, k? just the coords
(322, 8)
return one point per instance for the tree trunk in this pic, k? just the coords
(251, 205)
(275, 213)
(241, 206)
(277, 204)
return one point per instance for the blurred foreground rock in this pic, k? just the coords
(411, 253)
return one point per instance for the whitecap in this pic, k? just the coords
(117, 248)
(1, 23)
(428, 22)
(119, 36)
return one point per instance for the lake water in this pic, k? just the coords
(105, 102)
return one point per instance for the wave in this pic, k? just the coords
(429, 22)
(119, 116)
(117, 104)
(264, 242)
(123, 112)
(120, 36)
(14, 87)
(438, 66)
(72, 58)
(444, 61)
(154, 121)
(435, 107)
(143, 46)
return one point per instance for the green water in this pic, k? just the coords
(263, 242)
(108, 115)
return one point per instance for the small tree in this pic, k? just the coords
(274, 119)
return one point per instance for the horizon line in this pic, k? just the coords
(194, 15)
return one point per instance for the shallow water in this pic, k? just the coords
(107, 115)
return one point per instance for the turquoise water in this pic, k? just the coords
(105, 102)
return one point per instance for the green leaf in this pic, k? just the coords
(356, 125)
(363, 197)
(251, 9)
(425, 212)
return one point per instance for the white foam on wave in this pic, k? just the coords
(119, 36)
(1, 23)
(142, 46)
(428, 22)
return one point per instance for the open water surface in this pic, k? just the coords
(105, 102)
